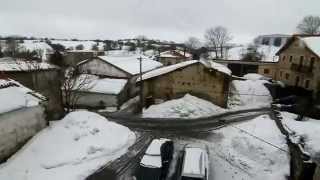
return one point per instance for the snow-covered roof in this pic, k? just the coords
(13, 96)
(131, 64)
(10, 64)
(101, 85)
(194, 162)
(168, 69)
(313, 43)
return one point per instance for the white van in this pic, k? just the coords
(195, 164)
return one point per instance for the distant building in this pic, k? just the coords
(299, 63)
(73, 57)
(276, 40)
(41, 77)
(208, 80)
(173, 57)
(100, 93)
(115, 71)
(22, 115)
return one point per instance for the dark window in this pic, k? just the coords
(301, 60)
(283, 58)
(266, 71)
(266, 41)
(297, 80)
(291, 57)
(307, 84)
(312, 62)
(280, 73)
(287, 76)
(277, 42)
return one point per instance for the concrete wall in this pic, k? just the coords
(45, 82)
(96, 100)
(195, 79)
(16, 127)
(99, 67)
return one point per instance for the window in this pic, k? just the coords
(266, 71)
(266, 41)
(283, 58)
(312, 62)
(280, 73)
(277, 42)
(291, 57)
(287, 76)
(307, 84)
(301, 60)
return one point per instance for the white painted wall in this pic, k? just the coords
(98, 67)
(18, 126)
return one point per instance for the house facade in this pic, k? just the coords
(299, 62)
(204, 79)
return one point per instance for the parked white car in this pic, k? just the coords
(195, 164)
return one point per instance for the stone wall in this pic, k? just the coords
(16, 127)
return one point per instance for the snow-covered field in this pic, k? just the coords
(70, 149)
(249, 94)
(307, 129)
(241, 151)
(187, 107)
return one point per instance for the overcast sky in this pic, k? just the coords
(162, 19)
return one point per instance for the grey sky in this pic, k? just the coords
(163, 19)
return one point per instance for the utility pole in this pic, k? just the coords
(141, 85)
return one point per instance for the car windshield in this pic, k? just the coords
(190, 178)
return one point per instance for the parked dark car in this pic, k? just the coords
(155, 163)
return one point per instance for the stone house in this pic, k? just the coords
(119, 67)
(73, 57)
(208, 80)
(299, 62)
(173, 57)
(99, 93)
(22, 115)
(41, 77)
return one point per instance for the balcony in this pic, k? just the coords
(302, 69)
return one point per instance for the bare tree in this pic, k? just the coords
(217, 39)
(72, 83)
(193, 43)
(309, 25)
(79, 47)
(12, 47)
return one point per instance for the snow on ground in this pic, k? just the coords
(240, 151)
(249, 94)
(70, 149)
(35, 45)
(308, 130)
(254, 76)
(15, 96)
(87, 45)
(187, 107)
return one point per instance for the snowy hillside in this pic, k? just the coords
(70, 149)
(186, 107)
(87, 45)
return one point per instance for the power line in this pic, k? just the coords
(262, 140)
